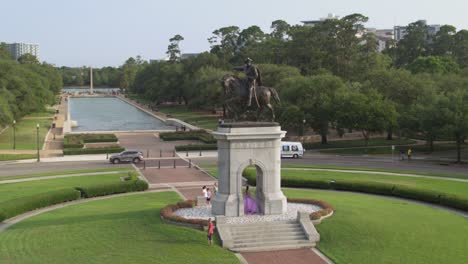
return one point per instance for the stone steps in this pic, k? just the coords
(268, 236)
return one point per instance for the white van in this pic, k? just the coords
(291, 149)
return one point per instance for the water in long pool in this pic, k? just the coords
(111, 114)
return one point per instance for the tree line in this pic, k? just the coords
(26, 86)
(330, 75)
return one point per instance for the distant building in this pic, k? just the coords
(19, 49)
(400, 31)
(384, 37)
(315, 22)
(188, 55)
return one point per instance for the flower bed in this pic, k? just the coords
(327, 209)
(167, 214)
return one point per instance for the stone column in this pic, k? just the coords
(241, 145)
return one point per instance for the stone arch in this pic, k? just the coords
(260, 179)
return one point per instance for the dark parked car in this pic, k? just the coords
(134, 156)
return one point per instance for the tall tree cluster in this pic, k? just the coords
(26, 86)
(331, 76)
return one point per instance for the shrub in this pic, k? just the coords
(113, 188)
(196, 147)
(201, 135)
(417, 194)
(78, 140)
(454, 202)
(21, 205)
(365, 187)
(92, 151)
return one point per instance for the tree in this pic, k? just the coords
(279, 29)
(315, 97)
(173, 50)
(461, 48)
(434, 65)
(28, 59)
(224, 42)
(443, 43)
(366, 111)
(413, 45)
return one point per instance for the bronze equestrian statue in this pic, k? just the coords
(238, 95)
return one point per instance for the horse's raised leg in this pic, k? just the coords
(272, 112)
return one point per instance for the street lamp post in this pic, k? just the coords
(37, 140)
(14, 134)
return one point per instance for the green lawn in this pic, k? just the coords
(4, 157)
(45, 113)
(447, 175)
(16, 190)
(457, 188)
(419, 149)
(359, 143)
(197, 118)
(26, 134)
(373, 230)
(117, 230)
(63, 173)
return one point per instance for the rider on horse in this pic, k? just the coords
(254, 78)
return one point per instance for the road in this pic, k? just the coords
(34, 168)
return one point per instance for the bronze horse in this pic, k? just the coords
(236, 98)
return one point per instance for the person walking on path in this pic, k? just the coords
(409, 153)
(210, 231)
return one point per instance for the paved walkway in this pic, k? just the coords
(296, 256)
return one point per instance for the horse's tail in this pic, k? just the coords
(275, 95)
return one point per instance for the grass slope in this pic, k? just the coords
(199, 119)
(63, 173)
(359, 143)
(4, 157)
(25, 134)
(15, 190)
(371, 230)
(118, 230)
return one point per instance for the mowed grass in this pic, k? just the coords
(417, 150)
(15, 190)
(197, 118)
(451, 187)
(26, 134)
(325, 167)
(4, 157)
(117, 230)
(68, 172)
(359, 143)
(373, 230)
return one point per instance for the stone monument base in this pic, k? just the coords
(241, 145)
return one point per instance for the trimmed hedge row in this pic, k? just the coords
(196, 147)
(78, 140)
(113, 188)
(388, 189)
(73, 151)
(21, 205)
(201, 135)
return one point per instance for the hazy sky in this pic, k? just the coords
(106, 32)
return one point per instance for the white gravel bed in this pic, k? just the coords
(204, 212)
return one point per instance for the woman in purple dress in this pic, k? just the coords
(250, 205)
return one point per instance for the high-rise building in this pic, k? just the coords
(19, 49)
(400, 32)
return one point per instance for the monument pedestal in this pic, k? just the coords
(239, 146)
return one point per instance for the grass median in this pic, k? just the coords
(117, 230)
(67, 172)
(5, 157)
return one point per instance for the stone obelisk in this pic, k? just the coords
(91, 80)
